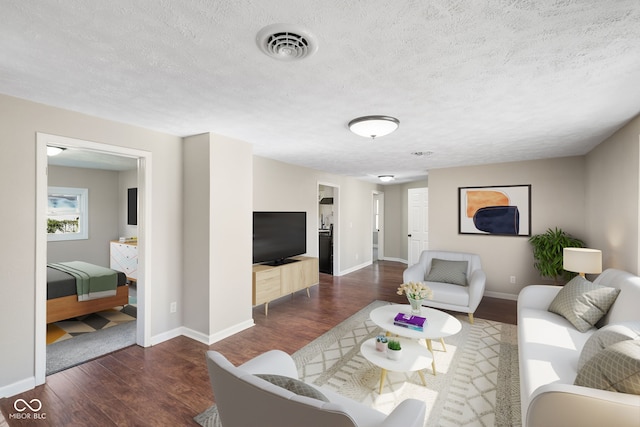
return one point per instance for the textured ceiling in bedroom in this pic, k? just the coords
(473, 82)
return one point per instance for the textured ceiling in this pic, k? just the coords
(473, 82)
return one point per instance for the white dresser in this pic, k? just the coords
(124, 257)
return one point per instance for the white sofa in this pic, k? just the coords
(446, 296)
(549, 347)
(244, 399)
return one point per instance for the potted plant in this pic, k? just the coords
(547, 252)
(381, 342)
(394, 350)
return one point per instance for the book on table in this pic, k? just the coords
(410, 321)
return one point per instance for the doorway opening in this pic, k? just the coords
(143, 181)
(328, 228)
(377, 247)
(418, 223)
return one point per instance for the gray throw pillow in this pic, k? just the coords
(445, 271)
(606, 336)
(293, 385)
(616, 368)
(583, 303)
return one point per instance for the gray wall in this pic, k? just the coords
(104, 210)
(196, 212)
(557, 200)
(126, 180)
(282, 187)
(611, 199)
(594, 197)
(20, 120)
(217, 236)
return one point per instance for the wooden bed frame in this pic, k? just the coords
(68, 307)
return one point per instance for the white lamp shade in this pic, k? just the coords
(582, 260)
(373, 126)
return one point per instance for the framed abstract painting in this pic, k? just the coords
(495, 210)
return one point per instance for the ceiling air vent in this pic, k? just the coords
(286, 42)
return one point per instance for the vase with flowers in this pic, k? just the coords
(416, 293)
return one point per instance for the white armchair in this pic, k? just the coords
(449, 296)
(245, 399)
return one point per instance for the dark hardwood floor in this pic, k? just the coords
(168, 384)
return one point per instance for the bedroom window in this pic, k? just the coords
(67, 213)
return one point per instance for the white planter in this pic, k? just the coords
(394, 354)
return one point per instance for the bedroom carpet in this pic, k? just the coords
(476, 382)
(67, 329)
(66, 354)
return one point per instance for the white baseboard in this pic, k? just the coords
(355, 268)
(166, 336)
(218, 336)
(501, 295)
(404, 261)
(18, 387)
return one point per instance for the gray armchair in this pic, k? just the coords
(245, 399)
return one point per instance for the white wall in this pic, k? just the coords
(612, 198)
(19, 122)
(557, 200)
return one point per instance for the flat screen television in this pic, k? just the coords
(278, 236)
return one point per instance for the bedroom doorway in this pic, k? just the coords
(142, 177)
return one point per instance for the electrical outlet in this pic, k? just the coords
(173, 307)
(512, 279)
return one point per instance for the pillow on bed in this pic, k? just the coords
(583, 303)
(445, 271)
(293, 385)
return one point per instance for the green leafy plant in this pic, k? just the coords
(547, 252)
(394, 345)
(63, 226)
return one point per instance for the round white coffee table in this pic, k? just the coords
(439, 325)
(415, 357)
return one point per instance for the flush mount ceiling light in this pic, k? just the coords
(386, 178)
(422, 153)
(54, 151)
(373, 126)
(286, 42)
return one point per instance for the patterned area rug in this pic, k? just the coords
(67, 329)
(476, 382)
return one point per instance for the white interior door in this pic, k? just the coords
(378, 226)
(418, 223)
